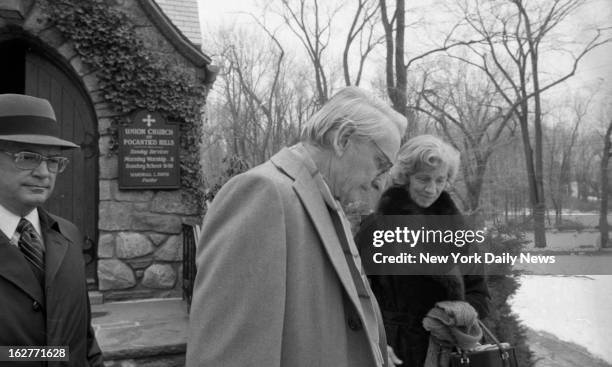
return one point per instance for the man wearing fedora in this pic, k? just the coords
(43, 292)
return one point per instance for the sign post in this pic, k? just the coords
(149, 153)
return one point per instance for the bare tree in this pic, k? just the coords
(259, 106)
(562, 138)
(469, 115)
(396, 66)
(560, 147)
(505, 197)
(312, 25)
(514, 33)
(586, 173)
(362, 30)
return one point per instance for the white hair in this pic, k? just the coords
(353, 108)
(422, 152)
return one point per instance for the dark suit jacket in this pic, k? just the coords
(58, 316)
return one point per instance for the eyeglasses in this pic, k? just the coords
(382, 161)
(383, 164)
(31, 160)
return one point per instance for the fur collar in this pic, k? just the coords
(397, 201)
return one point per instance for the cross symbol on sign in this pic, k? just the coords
(148, 120)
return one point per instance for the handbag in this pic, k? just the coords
(488, 355)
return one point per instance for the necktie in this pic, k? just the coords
(31, 246)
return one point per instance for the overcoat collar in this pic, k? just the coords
(15, 268)
(302, 170)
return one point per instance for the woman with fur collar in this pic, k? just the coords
(425, 167)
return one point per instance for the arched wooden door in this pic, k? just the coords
(76, 192)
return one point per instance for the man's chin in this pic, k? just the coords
(35, 199)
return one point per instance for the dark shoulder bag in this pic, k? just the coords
(488, 355)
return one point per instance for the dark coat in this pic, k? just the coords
(58, 316)
(406, 299)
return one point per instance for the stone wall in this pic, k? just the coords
(140, 248)
(140, 240)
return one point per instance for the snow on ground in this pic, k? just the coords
(588, 219)
(567, 240)
(577, 309)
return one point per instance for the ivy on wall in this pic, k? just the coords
(132, 77)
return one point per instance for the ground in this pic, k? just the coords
(569, 317)
(550, 351)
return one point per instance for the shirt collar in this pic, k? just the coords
(322, 185)
(10, 220)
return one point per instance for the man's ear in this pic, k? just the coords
(342, 138)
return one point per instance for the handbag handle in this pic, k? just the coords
(489, 334)
(503, 353)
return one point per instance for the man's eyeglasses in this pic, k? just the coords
(383, 164)
(382, 161)
(31, 160)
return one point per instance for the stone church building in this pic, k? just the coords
(133, 238)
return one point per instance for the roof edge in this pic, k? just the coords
(185, 47)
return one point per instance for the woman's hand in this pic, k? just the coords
(393, 359)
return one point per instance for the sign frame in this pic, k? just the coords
(153, 141)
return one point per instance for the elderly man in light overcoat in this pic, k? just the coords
(280, 281)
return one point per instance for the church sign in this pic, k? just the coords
(149, 153)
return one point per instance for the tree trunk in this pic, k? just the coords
(474, 189)
(538, 208)
(603, 213)
(395, 68)
(539, 227)
(474, 206)
(536, 163)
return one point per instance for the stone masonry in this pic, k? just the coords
(140, 248)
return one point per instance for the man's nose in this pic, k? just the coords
(42, 169)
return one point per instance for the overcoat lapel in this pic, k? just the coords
(15, 268)
(305, 187)
(55, 243)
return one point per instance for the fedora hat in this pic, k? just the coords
(27, 119)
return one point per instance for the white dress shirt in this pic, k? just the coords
(10, 220)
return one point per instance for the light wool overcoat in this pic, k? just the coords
(273, 286)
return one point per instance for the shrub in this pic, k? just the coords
(501, 320)
(233, 165)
